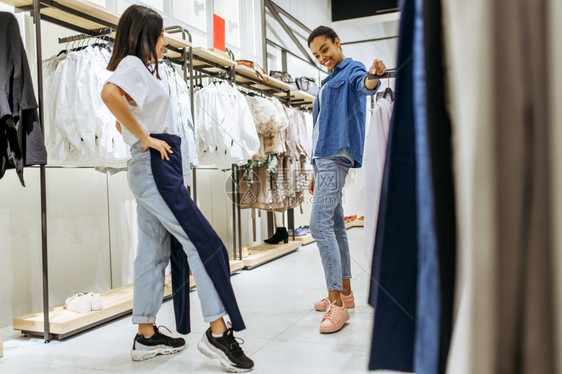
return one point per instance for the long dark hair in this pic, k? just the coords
(322, 31)
(137, 33)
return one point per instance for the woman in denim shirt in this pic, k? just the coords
(339, 113)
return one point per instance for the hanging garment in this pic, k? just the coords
(225, 132)
(373, 166)
(169, 181)
(504, 84)
(435, 277)
(21, 137)
(270, 120)
(80, 130)
(394, 267)
(428, 309)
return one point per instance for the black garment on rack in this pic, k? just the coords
(21, 138)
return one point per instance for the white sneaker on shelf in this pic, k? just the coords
(96, 301)
(79, 303)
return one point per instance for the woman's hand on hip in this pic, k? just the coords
(157, 144)
(311, 186)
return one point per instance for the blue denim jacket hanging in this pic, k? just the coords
(342, 118)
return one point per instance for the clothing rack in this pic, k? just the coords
(95, 33)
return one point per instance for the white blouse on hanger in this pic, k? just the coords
(80, 129)
(373, 165)
(225, 130)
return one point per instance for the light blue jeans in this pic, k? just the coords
(155, 223)
(327, 222)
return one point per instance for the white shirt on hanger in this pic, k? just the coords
(373, 165)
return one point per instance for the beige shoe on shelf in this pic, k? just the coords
(348, 300)
(334, 318)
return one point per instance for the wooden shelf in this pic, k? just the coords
(63, 323)
(236, 265)
(1, 349)
(356, 223)
(211, 56)
(245, 74)
(302, 96)
(304, 239)
(266, 252)
(299, 98)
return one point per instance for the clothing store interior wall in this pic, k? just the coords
(92, 216)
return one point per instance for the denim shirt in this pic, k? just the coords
(341, 122)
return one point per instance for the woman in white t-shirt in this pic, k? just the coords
(142, 108)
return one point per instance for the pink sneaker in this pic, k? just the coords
(349, 302)
(334, 318)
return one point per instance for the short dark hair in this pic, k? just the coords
(137, 34)
(322, 31)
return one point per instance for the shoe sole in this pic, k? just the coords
(141, 355)
(211, 352)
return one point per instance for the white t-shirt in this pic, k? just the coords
(152, 110)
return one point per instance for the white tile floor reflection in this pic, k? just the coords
(282, 335)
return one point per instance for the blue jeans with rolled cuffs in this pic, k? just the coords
(327, 222)
(155, 224)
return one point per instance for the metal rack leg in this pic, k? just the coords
(239, 213)
(234, 231)
(44, 251)
(291, 221)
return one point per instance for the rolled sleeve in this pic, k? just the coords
(357, 77)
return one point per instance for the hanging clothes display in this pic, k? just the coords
(21, 138)
(373, 166)
(414, 253)
(225, 132)
(270, 121)
(279, 171)
(80, 129)
(181, 110)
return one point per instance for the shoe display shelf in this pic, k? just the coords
(64, 323)
(267, 252)
(236, 265)
(304, 239)
(355, 223)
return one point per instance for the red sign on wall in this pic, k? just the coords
(218, 33)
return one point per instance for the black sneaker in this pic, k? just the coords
(157, 344)
(227, 350)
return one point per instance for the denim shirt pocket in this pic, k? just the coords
(334, 92)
